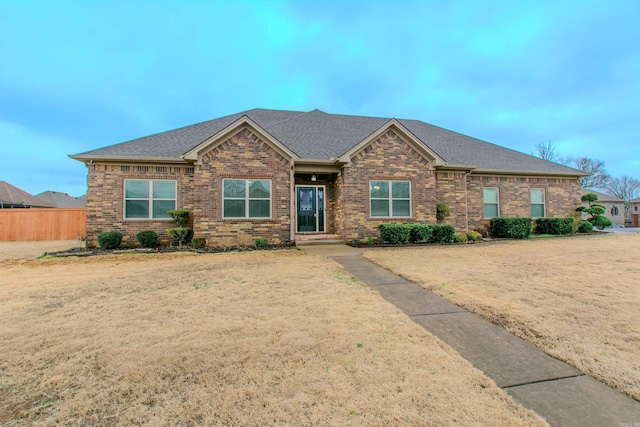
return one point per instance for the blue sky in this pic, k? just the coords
(79, 75)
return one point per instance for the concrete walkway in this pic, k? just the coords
(558, 392)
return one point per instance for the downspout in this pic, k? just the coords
(466, 201)
(292, 197)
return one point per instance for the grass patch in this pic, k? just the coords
(279, 340)
(542, 291)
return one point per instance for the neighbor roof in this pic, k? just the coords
(602, 197)
(319, 135)
(12, 195)
(62, 200)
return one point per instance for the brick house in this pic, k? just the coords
(286, 174)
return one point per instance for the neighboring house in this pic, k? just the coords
(63, 200)
(614, 206)
(635, 212)
(281, 174)
(11, 197)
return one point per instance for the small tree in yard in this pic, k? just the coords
(595, 210)
(180, 216)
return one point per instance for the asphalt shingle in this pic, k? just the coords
(319, 135)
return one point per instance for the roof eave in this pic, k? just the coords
(128, 159)
(529, 172)
(195, 154)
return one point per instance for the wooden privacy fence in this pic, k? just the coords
(42, 224)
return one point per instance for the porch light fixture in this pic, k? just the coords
(313, 177)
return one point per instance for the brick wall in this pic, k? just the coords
(387, 158)
(243, 156)
(562, 196)
(105, 199)
(450, 189)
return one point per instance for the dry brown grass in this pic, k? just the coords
(19, 250)
(576, 298)
(262, 338)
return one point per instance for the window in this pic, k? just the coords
(245, 198)
(491, 204)
(614, 210)
(390, 198)
(149, 199)
(537, 202)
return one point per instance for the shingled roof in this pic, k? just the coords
(319, 135)
(12, 196)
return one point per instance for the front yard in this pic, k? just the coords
(260, 338)
(576, 298)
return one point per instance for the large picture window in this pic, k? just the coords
(149, 199)
(491, 203)
(390, 198)
(246, 198)
(537, 202)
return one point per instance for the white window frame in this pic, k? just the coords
(149, 199)
(497, 202)
(390, 199)
(246, 199)
(544, 202)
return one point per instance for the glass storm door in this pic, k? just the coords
(310, 201)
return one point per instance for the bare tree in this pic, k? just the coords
(599, 177)
(546, 151)
(625, 188)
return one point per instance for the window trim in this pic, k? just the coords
(247, 199)
(497, 202)
(544, 202)
(390, 199)
(149, 199)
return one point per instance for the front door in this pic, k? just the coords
(310, 202)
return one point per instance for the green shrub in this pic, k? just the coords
(442, 211)
(180, 233)
(511, 227)
(147, 239)
(180, 216)
(396, 234)
(420, 233)
(442, 233)
(460, 237)
(198, 242)
(585, 227)
(474, 236)
(261, 242)
(110, 240)
(600, 222)
(554, 225)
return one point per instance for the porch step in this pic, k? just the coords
(319, 242)
(324, 239)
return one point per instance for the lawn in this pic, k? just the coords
(576, 298)
(259, 338)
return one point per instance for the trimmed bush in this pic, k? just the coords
(147, 239)
(442, 233)
(554, 225)
(396, 234)
(261, 242)
(511, 227)
(600, 222)
(460, 237)
(109, 240)
(442, 211)
(585, 227)
(474, 236)
(179, 233)
(198, 242)
(180, 216)
(420, 233)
